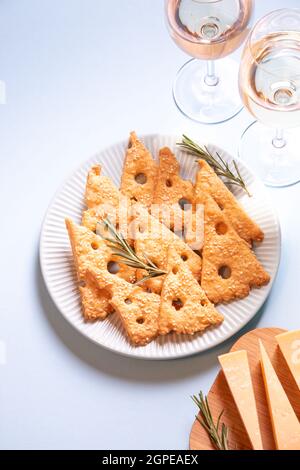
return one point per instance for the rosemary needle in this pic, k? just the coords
(217, 163)
(218, 433)
(121, 248)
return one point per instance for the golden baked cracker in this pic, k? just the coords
(104, 200)
(184, 306)
(92, 216)
(139, 172)
(95, 301)
(152, 240)
(172, 193)
(118, 216)
(229, 267)
(91, 251)
(100, 189)
(194, 229)
(138, 310)
(209, 182)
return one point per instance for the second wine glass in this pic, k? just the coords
(270, 88)
(209, 30)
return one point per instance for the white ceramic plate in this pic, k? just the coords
(58, 271)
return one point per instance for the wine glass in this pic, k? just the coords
(204, 90)
(270, 88)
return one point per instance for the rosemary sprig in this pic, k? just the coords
(217, 163)
(218, 433)
(120, 247)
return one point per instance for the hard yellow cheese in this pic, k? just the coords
(286, 427)
(235, 366)
(289, 344)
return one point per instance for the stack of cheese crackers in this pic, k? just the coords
(201, 270)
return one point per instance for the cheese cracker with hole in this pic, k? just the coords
(152, 241)
(139, 173)
(184, 306)
(209, 182)
(95, 301)
(173, 194)
(137, 309)
(229, 267)
(90, 251)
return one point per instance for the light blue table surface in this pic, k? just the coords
(79, 75)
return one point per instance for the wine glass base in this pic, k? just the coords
(276, 167)
(208, 104)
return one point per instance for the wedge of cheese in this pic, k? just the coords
(289, 344)
(236, 368)
(286, 427)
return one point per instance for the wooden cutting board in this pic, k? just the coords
(220, 398)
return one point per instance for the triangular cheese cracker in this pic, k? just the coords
(152, 241)
(100, 189)
(209, 182)
(90, 252)
(118, 216)
(95, 301)
(139, 173)
(229, 267)
(194, 229)
(137, 309)
(172, 194)
(104, 200)
(184, 306)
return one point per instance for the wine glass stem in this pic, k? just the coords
(279, 141)
(211, 78)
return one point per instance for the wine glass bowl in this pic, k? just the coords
(208, 30)
(269, 84)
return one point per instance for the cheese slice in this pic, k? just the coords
(289, 344)
(286, 427)
(236, 368)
